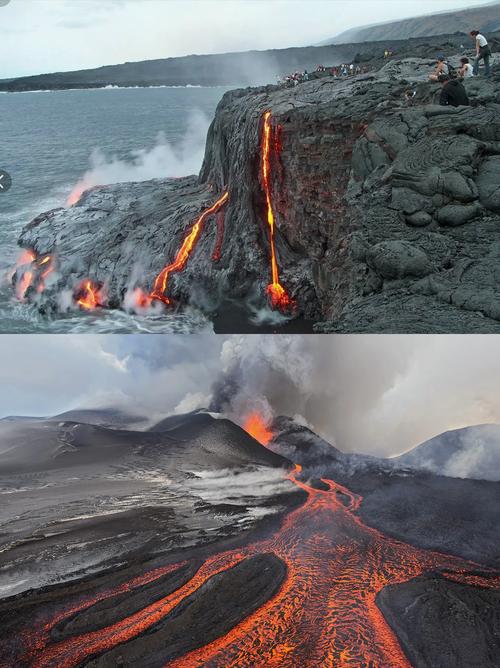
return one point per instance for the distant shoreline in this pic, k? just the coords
(113, 87)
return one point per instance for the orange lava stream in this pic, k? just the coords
(257, 427)
(35, 270)
(325, 612)
(37, 642)
(277, 293)
(161, 281)
(48, 263)
(90, 295)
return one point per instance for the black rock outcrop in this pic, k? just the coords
(441, 623)
(386, 209)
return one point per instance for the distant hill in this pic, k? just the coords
(485, 18)
(472, 452)
(231, 69)
(195, 440)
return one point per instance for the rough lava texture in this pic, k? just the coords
(459, 623)
(387, 210)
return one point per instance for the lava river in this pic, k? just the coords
(324, 614)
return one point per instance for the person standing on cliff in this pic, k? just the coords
(483, 52)
(453, 93)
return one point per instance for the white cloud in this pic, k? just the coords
(90, 33)
(374, 394)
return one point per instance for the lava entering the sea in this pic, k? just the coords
(278, 296)
(256, 426)
(90, 295)
(189, 243)
(31, 270)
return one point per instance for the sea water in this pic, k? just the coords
(50, 140)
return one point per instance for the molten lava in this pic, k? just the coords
(277, 293)
(257, 427)
(46, 265)
(90, 295)
(76, 193)
(161, 281)
(24, 273)
(324, 614)
(31, 270)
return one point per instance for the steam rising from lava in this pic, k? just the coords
(163, 160)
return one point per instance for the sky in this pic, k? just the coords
(379, 395)
(38, 36)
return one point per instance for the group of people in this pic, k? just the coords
(338, 72)
(348, 70)
(453, 92)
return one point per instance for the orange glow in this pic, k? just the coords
(47, 262)
(257, 427)
(26, 257)
(277, 293)
(324, 614)
(24, 283)
(25, 260)
(75, 194)
(161, 281)
(141, 299)
(90, 295)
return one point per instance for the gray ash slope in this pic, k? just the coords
(78, 498)
(438, 512)
(471, 452)
(436, 621)
(387, 215)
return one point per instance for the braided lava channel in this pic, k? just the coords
(324, 614)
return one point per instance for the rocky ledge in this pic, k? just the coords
(386, 210)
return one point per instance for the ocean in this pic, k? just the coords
(52, 141)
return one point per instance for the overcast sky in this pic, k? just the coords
(376, 394)
(55, 35)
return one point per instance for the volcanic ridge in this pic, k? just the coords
(190, 543)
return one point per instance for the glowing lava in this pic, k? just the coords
(77, 192)
(46, 265)
(90, 295)
(256, 426)
(161, 281)
(325, 613)
(31, 270)
(24, 267)
(277, 293)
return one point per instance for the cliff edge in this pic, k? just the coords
(385, 211)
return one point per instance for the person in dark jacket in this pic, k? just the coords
(453, 93)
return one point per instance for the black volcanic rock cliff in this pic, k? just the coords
(387, 212)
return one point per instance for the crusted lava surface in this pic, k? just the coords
(308, 568)
(378, 214)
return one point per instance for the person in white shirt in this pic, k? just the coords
(466, 70)
(483, 52)
(441, 68)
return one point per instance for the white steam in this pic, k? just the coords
(229, 486)
(163, 160)
(379, 395)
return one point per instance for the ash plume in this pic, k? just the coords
(378, 395)
(373, 395)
